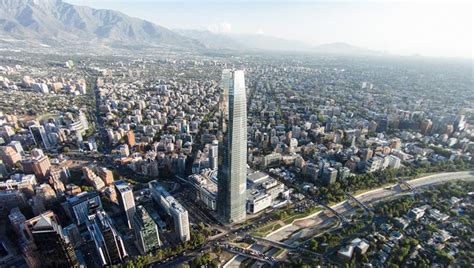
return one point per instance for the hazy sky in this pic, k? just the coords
(430, 28)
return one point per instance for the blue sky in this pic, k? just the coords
(401, 27)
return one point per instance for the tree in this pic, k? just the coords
(413, 242)
(206, 258)
(198, 261)
(179, 248)
(159, 254)
(364, 259)
(443, 257)
(86, 188)
(313, 244)
(431, 228)
(215, 263)
(401, 254)
(323, 238)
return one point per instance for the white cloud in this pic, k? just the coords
(222, 27)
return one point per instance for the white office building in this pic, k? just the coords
(394, 162)
(258, 202)
(126, 200)
(172, 208)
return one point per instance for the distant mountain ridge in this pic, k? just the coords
(57, 24)
(53, 22)
(264, 42)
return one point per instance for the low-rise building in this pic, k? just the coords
(257, 202)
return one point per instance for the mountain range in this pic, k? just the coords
(54, 23)
(264, 42)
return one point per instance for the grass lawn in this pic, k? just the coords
(266, 229)
(288, 219)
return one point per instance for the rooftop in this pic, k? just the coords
(122, 186)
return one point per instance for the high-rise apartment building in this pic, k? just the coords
(232, 170)
(131, 138)
(38, 164)
(126, 200)
(106, 175)
(92, 178)
(329, 175)
(9, 156)
(17, 146)
(41, 166)
(146, 231)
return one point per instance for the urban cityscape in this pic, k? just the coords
(174, 152)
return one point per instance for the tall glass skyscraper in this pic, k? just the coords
(232, 156)
(53, 247)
